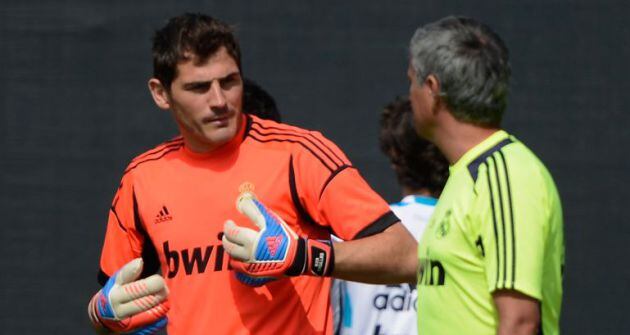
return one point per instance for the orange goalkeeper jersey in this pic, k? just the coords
(172, 203)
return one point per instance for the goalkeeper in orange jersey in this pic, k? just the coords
(174, 199)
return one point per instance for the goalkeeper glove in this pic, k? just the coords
(275, 250)
(129, 306)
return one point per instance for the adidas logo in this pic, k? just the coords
(163, 215)
(273, 243)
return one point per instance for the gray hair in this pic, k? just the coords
(471, 63)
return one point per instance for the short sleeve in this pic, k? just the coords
(335, 195)
(511, 214)
(123, 240)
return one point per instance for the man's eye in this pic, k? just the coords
(199, 88)
(228, 82)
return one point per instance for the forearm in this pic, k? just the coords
(517, 327)
(385, 258)
(518, 313)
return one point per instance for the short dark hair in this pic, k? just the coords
(417, 162)
(257, 101)
(186, 36)
(470, 61)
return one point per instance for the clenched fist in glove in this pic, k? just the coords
(126, 305)
(274, 250)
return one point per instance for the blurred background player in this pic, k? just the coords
(174, 199)
(257, 101)
(421, 170)
(492, 256)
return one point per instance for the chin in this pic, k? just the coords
(221, 136)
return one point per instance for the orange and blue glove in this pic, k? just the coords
(126, 305)
(273, 251)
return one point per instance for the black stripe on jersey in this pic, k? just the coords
(301, 136)
(263, 140)
(332, 175)
(509, 192)
(502, 212)
(160, 147)
(383, 222)
(310, 135)
(295, 196)
(473, 167)
(160, 156)
(506, 261)
(149, 253)
(118, 219)
(158, 150)
(494, 219)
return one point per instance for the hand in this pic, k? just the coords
(275, 250)
(129, 306)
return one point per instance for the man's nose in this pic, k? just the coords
(216, 96)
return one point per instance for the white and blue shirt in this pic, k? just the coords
(365, 309)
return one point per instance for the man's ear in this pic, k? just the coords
(159, 93)
(433, 84)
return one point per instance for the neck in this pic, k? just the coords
(455, 138)
(204, 147)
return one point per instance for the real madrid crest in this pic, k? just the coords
(444, 226)
(246, 187)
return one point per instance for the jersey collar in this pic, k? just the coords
(479, 149)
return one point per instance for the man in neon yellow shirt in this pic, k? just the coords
(491, 258)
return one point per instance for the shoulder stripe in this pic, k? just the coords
(155, 158)
(510, 204)
(265, 140)
(502, 216)
(494, 218)
(473, 167)
(176, 141)
(305, 136)
(309, 135)
(502, 209)
(156, 151)
(328, 147)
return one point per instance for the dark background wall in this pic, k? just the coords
(75, 109)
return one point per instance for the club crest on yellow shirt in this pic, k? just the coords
(444, 226)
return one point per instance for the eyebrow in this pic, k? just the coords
(193, 84)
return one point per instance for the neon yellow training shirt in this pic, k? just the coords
(498, 225)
